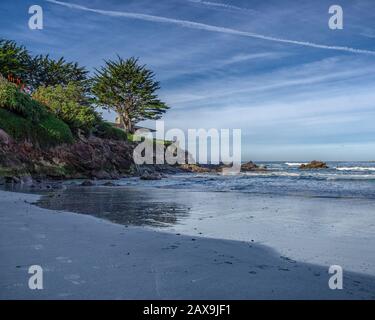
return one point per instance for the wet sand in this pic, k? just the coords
(319, 230)
(84, 257)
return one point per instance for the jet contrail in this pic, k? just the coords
(220, 5)
(207, 27)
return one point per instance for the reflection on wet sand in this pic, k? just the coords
(120, 205)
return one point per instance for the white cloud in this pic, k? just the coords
(221, 5)
(211, 28)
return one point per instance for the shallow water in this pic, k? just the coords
(126, 206)
(342, 179)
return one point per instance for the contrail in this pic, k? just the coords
(207, 27)
(220, 5)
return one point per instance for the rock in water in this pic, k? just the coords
(194, 168)
(151, 176)
(314, 165)
(110, 184)
(251, 166)
(87, 183)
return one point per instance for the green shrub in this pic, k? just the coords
(107, 131)
(70, 105)
(12, 99)
(49, 132)
(17, 127)
(55, 129)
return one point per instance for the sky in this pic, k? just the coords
(297, 89)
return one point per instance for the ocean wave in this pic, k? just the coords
(272, 174)
(311, 176)
(355, 168)
(352, 177)
(295, 164)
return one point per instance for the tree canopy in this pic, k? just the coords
(45, 71)
(14, 59)
(40, 70)
(129, 89)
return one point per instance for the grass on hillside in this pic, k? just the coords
(50, 131)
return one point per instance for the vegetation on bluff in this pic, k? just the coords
(45, 87)
(27, 120)
(49, 123)
(69, 104)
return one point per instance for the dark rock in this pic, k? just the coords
(151, 176)
(314, 165)
(101, 175)
(26, 180)
(87, 183)
(251, 166)
(195, 168)
(12, 179)
(110, 184)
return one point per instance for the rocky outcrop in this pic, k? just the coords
(86, 158)
(216, 168)
(195, 168)
(314, 165)
(151, 176)
(251, 166)
(87, 183)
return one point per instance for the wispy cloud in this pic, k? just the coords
(207, 27)
(301, 78)
(221, 5)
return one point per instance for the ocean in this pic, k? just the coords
(342, 179)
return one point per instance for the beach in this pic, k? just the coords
(85, 257)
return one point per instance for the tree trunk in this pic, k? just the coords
(126, 123)
(123, 122)
(130, 126)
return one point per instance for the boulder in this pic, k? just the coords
(194, 168)
(314, 165)
(151, 176)
(101, 175)
(12, 179)
(5, 138)
(110, 184)
(251, 166)
(26, 180)
(87, 183)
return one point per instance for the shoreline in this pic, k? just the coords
(84, 257)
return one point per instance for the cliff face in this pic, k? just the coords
(87, 158)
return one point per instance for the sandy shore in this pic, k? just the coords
(88, 258)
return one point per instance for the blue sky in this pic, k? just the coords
(222, 64)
